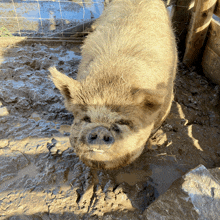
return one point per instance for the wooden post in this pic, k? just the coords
(180, 16)
(211, 55)
(217, 8)
(199, 24)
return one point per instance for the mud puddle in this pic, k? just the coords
(38, 166)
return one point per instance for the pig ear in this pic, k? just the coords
(65, 84)
(146, 100)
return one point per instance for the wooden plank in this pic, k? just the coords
(214, 37)
(77, 30)
(199, 24)
(211, 55)
(217, 8)
(180, 16)
(7, 41)
(10, 41)
(211, 65)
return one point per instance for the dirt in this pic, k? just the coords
(42, 178)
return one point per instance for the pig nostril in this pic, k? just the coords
(93, 136)
(106, 139)
(99, 136)
(115, 128)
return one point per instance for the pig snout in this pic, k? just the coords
(100, 136)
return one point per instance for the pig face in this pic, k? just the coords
(112, 120)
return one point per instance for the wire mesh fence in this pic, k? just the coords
(47, 18)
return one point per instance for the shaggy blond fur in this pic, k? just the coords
(124, 83)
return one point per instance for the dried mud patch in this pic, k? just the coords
(41, 177)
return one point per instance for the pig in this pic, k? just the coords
(124, 88)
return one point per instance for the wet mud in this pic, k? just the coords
(42, 178)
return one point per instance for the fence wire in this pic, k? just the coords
(47, 18)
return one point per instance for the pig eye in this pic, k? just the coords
(87, 119)
(115, 128)
(123, 122)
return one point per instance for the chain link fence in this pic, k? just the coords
(47, 18)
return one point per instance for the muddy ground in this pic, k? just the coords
(42, 178)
